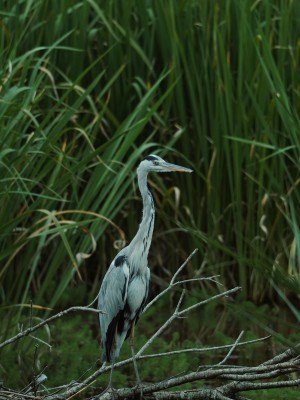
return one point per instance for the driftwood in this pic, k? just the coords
(227, 381)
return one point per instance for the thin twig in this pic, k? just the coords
(29, 330)
(234, 346)
(205, 350)
(206, 278)
(183, 265)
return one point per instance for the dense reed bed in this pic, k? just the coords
(88, 88)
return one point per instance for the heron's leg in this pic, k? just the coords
(138, 379)
(110, 386)
(111, 373)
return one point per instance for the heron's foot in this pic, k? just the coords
(109, 390)
(139, 388)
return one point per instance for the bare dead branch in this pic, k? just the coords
(231, 350)
(31, 329)
(286, 355)
(206, 349)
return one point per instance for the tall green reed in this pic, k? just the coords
(89, 87)
(238, 98)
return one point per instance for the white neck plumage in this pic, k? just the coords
(140, 245)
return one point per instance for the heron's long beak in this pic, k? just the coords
(174, 167)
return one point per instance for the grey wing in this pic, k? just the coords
(111, 300)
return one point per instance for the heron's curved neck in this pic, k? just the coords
(140, 244)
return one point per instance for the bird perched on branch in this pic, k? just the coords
(124, 290)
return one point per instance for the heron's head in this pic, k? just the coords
(153, 163)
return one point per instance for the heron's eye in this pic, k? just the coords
(156, 162)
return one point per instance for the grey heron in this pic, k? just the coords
(124, 290)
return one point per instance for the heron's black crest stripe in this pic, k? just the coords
(119, 261)
(150, 158)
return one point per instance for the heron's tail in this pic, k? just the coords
(109, 355)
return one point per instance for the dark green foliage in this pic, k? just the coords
(66, 352)
(278, 394)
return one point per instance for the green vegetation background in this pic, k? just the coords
(90, 87)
